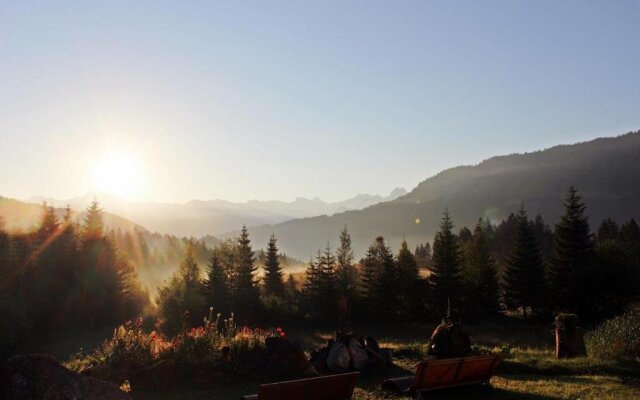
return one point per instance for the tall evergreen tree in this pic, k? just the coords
(291, 292)
(572, 259)
(444, 270)
(93, 222)
(608, 231)
(408, 277)
(312, 287)
(101, 281)
(379, 279)
(216, 287)
(327, 298)
(273, 283)
(346, 273)
(523, 280)
(346, 279)
(480, 276)
(246, 296)
(180, 303)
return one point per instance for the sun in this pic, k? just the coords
(117, 174)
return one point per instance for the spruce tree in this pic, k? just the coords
(572, 259)
(99, 272)
(246, 296)
(93, 222)
(524, 275)
(379, 285)
(346, 278)
(480, 276)
(369, 274)
(444, 270)
(216, 288)
(327, 297)
(608, 231)
(180, 303)
(291, 292)
(273, 284)
(312, 287)
(346, 273)
(408, 277)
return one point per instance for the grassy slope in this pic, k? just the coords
(528, 372)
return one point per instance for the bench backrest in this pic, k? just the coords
(331, 387)
(432, 374)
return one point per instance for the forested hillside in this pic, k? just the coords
(606, 171)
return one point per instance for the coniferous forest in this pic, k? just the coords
(70, 275)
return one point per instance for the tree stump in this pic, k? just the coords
(569, 337)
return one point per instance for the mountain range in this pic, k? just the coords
(25, 216)
(212, 217)
(606, 172)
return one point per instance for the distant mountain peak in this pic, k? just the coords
(397, 192)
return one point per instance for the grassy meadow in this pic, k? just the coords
(529, 370)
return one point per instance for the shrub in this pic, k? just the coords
(616, 338)
(216, 344)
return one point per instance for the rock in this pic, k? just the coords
(286, 360)
(359, 356)
(449, 340)
(338, 359)
(36, 376)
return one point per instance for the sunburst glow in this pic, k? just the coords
(117, 174)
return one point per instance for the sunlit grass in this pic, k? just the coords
(529, 371)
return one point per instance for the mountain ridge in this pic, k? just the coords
(211, 217)
(604, 170)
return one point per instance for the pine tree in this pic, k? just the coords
(133, 297)
(524, 276)
(180, 303)
(608, 231)
(480, 276)
(291, 292)
(369, 275)
(572, 259)
(216, 288)
(273, 284)
(48, 224)
(327, 297)
(246, 296)
(445, 267)
(346, 273)
(101, 281)
(93, 222)
(379, 279)
(312, 287)
(408, 277)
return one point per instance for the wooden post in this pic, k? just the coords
(569, 337)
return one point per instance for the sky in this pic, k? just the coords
(239, 100)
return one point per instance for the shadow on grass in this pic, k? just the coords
(580, 367)
(482, 393)
(473, 392)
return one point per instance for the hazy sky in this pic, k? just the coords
(239, 100)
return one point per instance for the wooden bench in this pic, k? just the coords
(446, 373)
(330, 387)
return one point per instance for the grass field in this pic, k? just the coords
(529, 370)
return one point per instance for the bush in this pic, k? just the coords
(218, 344)
(617, 338)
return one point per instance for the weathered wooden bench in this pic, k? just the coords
(330, 387)
(446, 373)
